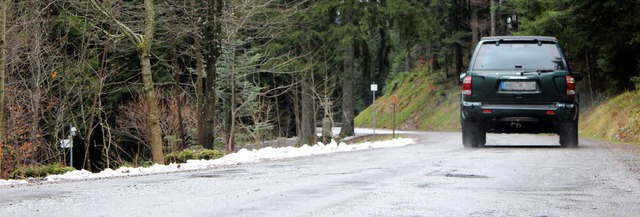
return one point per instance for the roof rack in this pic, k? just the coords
(520, 38)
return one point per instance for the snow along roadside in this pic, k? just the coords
(242, 156)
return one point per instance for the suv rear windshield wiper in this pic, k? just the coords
(537, 71)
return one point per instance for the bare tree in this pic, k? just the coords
(250, 26)
(143, 44)
(3, 63)
(29, 62)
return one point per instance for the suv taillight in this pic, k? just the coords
(571, 86)
(466, 86)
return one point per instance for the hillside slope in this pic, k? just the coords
(617, 119)
(429, 102)
(424, 102)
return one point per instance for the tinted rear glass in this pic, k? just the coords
(518, 56)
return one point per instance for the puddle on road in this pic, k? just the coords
(468, 176)
(206, 175)
(218, 174)
(424, 185)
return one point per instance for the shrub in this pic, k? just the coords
(636, 82)
(192, 154)
(210, 154)
(39, 171)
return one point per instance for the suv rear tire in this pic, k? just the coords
(569, 134)
(472, 135)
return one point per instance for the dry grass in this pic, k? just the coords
(423, 103)
(616, 120)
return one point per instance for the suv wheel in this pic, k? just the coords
(569, 134)
(472, 135)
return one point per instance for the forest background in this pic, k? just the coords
(143, 78)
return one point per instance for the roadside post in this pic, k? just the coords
(68, 143)
(374, 88)
(394, 117)
(72, 133)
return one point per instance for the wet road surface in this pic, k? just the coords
(515, 175)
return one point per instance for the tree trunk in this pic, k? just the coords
(458, 59)
(327, 135)
(143, 43)
(295, 99)
(475, 25)
(178, 93)
(212, 46)
(3, 64)
(493, 17)
(348, 83)
(147, 79)
(588, 60)
(182, 134)
(447, 63)
(307, 134)
(200, 90)
(407, 58)
(231, 115)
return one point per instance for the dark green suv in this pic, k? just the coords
(519, 84)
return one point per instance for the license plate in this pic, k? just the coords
(518, 85)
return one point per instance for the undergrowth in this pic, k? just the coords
(195, 153)
(617, 119)
(39, 171)
(425, 101)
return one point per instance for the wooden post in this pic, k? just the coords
(394, 117)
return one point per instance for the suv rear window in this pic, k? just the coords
(518, 56)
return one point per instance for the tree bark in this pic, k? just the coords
(231, 115)
(307, 134)
(212, 46)
(348, 83)
(475, 25)
(3, 63)
(200, 90)
(295, 99)
(176, 79)
(458, 59)
(407, 58)
(493, 17)
(147, 79)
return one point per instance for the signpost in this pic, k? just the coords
(68, 143)
(374, 88)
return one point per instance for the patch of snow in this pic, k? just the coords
(12, 182)
(363, 131)
(242, 156)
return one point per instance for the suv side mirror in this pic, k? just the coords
(462, 77)
(577, 76)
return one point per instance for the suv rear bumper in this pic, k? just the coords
(479, 112)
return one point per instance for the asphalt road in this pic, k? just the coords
(517, 175)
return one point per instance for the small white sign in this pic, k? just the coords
(374, 87)
(65, 143)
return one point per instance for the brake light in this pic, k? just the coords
(466, 86)
(571, 86)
